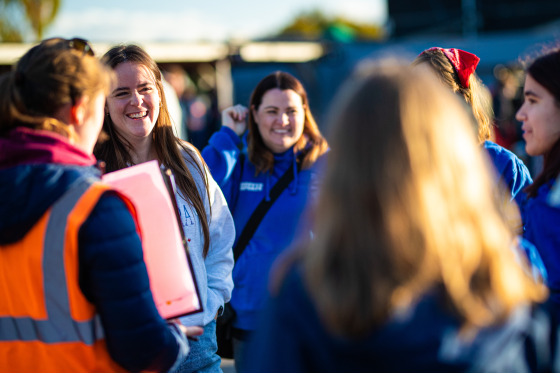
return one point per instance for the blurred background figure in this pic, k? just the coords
(540, 115)
(175, 110)
(410, 268)
(75, 293)
(197, 107)
(506, 96)
(283, 140)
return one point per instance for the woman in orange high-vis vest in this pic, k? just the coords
(74, 291)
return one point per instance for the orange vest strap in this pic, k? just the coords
(59, 327)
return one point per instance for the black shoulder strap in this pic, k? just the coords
(261, 210)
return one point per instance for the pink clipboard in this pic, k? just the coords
(172, 278)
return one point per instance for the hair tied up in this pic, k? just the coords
(464, 62)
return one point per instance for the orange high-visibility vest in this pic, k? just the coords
(46, 323)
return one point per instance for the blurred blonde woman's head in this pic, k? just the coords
(407, 206)
(475, 93)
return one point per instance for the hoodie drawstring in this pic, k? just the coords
(294, 183)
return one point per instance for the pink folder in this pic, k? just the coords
(172, 278)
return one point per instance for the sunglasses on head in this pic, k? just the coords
(78, 44)
(81, 45)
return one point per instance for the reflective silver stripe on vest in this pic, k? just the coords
(59, 327)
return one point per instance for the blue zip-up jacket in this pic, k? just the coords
(510, 169)
(425, 338)
(282, 224)
(541, 216)
(38, 167)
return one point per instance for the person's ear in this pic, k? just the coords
(78, 111)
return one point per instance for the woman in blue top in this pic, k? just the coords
(456, 69)
(410, 267)
(282, 133)
(540, 114)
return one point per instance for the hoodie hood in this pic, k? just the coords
(36, 168)
(27, 146)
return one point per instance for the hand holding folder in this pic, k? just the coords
(172, 278)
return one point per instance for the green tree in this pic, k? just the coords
(36, 16)
(315, 25)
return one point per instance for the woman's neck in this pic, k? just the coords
(143, 151)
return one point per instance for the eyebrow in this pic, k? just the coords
(275, 107)
(141, 85)
(530, 93)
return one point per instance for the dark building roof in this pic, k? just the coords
(463, 17)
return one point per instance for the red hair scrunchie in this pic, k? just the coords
(463, 62)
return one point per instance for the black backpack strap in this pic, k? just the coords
(261, 210)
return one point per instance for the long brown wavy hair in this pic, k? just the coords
(311, 140)
(115, 151)
(406, 207)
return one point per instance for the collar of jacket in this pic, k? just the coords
(28, 146)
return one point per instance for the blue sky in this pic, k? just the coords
(186, 20)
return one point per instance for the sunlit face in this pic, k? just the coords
(280, 119)
(134, 104)
(540, 115)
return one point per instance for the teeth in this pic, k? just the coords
(281, 131)
(137, 115)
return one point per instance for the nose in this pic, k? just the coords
(136, 98)
(284, 118)
(520, 115)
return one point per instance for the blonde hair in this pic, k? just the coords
(406, 207)
(477, 95)
(47, 77)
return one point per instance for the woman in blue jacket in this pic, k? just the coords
(540, 114)
(456, 69)
(410, 267)
(282, 134)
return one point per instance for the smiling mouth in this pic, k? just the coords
(281, 131)
(139, 115)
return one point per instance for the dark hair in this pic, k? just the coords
(311, 139)
(546, 71)
(116, 150)
(48, 76)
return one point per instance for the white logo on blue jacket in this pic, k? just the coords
(250, 186)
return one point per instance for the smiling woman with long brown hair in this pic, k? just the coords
(139, 126)
(282, 140)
